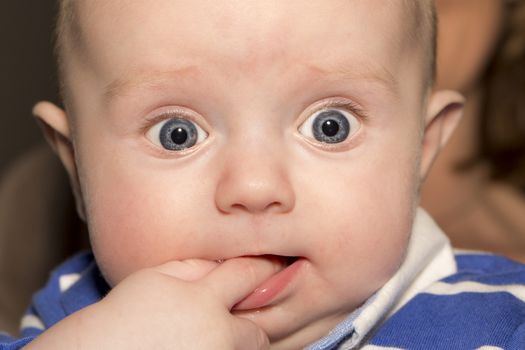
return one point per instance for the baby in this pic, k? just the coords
(249, 172)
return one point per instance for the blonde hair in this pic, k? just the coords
(65, 22)
(425, 32)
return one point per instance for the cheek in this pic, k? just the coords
(360, 233)
(362, 219)
(376, 221)
(139, 219)
(125, 226)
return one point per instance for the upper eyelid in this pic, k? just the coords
(183, 113)
(349, 105)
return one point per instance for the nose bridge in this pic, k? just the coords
(254, 178)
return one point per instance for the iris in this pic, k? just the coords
(331, 127)
(178, 134)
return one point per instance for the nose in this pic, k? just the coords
(256, 183)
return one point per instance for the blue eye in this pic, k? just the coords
(330, 126)
(176, 134)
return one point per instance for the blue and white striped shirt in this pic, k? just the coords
(436, 300)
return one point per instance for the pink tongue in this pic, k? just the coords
(263, 294)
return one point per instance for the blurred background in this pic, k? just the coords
(37, 215)
(27, 73)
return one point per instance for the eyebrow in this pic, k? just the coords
(144, 79)
(368, 72)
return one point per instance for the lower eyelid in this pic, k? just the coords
(344, 146)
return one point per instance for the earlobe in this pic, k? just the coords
(445, 109)
(55, 126)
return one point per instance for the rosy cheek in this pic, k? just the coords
(136, 223)
(125, 226)
(115, 240)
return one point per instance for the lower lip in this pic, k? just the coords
(266, 293)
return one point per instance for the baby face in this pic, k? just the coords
(284, 128)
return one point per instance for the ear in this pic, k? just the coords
(445, 109)
(55, 126)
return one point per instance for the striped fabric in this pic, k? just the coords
(435, 301)
(74, 285)
(482, 306)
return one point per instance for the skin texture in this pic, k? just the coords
(249, 75)
(476, 212)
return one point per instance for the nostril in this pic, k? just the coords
(254, 192)
(238, 207)
(273, 205)
(254, 207)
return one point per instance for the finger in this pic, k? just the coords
(249, 336)
(236, 278)
(187, 270)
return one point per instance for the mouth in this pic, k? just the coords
(273, 289)
(289, 260)
(282, 260)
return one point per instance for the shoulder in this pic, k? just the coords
(485, 273)
(470, 264)
(77, 263)
(49, 305)
(63, 294)
(482, 304)
(66, 274)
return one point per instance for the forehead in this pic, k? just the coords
(250, 34)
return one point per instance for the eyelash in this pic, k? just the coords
(349, 106)
(149, 122)
(345, 104)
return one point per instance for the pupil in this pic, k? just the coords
(330, 128)
(179, 136)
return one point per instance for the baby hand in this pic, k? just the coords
(179, 305)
